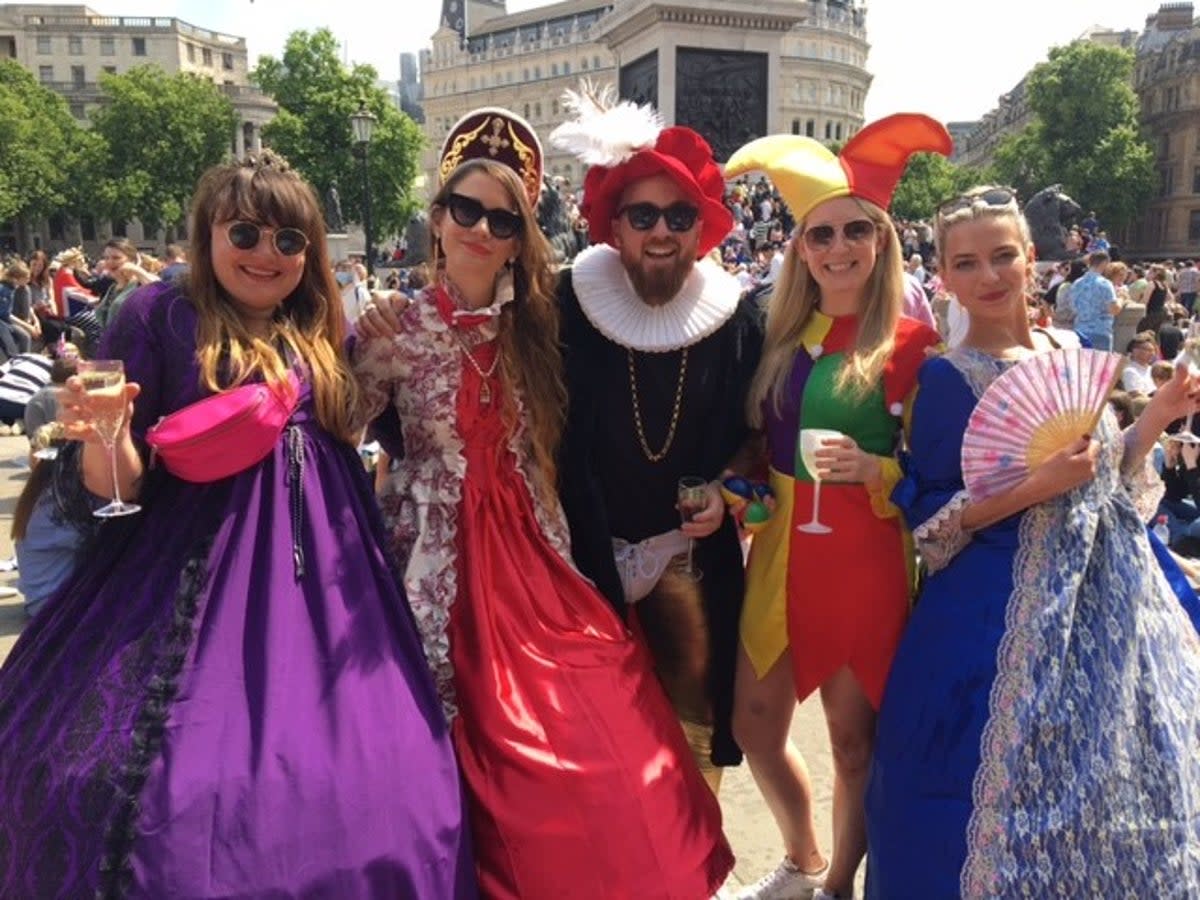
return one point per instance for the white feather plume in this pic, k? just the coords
(603, 131)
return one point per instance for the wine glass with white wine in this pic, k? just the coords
(103, 381)
(812, 440)
(692, 498)
(1190, 356)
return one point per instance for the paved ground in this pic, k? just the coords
(747, 822)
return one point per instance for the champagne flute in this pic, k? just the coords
(1191, 357)
(692, 497)
(104, 382)
(812, 440)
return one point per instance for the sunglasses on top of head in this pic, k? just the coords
(467, 211)
(287, 241)
(820, 237)
(644, 216)
(999, 196)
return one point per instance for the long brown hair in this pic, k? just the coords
(310, 322)
(39, 274)
(530, 358)
(797, 294)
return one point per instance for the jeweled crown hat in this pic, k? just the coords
(622, 143)
(498, 134)
(807, 173)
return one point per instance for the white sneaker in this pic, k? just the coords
(787, 882)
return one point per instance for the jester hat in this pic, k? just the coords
(869, 166)
(622, 143)
(498, 134)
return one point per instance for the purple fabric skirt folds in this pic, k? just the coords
(190, 719)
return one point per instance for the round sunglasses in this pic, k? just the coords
(287, 241)
(644, 216)
(467, 211)
(857, 231)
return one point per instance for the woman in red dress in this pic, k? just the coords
(579, 779)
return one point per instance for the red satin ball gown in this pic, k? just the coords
(579, 780)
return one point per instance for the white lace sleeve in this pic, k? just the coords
(941, 536)
(1143, 483)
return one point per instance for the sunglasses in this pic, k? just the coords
(1000, 196)
(644, 216)
(857, 231)
(467, 211)
(287, 241)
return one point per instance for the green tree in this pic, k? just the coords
(1086, 133)
(929, 179)
(161, 132)
(316, 96)
(1020, 162)
(42, 148)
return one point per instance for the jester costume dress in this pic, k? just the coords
(579, 780)
(228, 698)
(840, 598)
(1039, 734)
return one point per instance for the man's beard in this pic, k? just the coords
(658, 284)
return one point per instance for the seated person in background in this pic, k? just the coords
(1161, 372)
(1181, 478)
(50, 521)
(20, 379)
(1142, 351)
(42, 407)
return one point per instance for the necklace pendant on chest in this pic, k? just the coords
(485, 393)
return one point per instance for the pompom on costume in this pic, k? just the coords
(817, 593)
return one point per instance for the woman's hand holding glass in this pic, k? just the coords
(95, 406)
(841, 459)
(702, 523)
(1177, 399)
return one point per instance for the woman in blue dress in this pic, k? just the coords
(1038, 735)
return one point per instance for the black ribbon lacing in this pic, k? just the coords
(295, 479)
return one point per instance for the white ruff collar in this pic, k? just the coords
(707, 299)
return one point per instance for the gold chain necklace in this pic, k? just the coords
(637, 410)
(485, 389)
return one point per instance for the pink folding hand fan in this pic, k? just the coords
(1036, 408)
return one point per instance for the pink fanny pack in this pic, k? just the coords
(224, 434)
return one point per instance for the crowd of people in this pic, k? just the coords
(629, 510)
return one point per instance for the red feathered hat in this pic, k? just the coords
(623, 143)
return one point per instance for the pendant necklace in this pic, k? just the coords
(485, 389)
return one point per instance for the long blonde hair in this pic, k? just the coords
(310, 322)
(530, 357)
(796, 295)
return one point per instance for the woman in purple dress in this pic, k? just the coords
(229, 698)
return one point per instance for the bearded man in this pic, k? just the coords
(659, 354)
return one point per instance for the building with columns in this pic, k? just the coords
(1167, 81)
(732, 69)
(68, 47)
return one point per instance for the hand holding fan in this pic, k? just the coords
(1036, 408)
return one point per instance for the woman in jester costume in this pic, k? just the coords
(825, 605)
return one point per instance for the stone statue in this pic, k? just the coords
(554, 220)
(1049, 212)
(333, 210)
(416, 240)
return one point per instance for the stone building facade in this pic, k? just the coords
(815, 55)
(68, 47)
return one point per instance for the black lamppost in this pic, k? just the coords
(363, 122)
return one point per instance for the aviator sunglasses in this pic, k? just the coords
(287, 241)
(820, 237)
(467, 211)
(998, 196)
(644, 216)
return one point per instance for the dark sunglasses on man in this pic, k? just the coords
(287, 241)
(467, 211)
(644, 216)
(821, 237)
